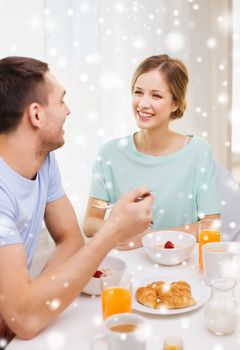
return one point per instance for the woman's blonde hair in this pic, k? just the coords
(175, 74)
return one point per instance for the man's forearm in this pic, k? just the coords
(41, 300)
(63, 251)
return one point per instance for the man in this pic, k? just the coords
(32, 114)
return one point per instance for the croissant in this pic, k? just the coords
(161, 294)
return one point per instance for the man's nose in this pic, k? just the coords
(67, 111)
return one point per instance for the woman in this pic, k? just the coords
(178, 169)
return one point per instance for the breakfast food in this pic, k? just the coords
(169, 245)
(98, 274)
(169, 295)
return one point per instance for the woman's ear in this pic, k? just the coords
(175, 106)
(35, 114)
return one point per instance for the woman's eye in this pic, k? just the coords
(137, 92)
(157, 96)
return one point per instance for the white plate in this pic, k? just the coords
(200, 292)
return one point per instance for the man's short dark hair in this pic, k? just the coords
(21, 83)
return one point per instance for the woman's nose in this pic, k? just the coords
(144, 103)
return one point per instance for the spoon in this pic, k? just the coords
(101, 204)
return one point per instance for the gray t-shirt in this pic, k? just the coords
(23, 202)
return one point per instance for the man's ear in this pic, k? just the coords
(35, 114)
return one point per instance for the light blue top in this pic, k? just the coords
(185, 184)
(23, 202)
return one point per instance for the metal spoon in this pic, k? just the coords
(101, 204)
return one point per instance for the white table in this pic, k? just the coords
(82, 319)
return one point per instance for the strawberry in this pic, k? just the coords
(98, 274)
(169, 245)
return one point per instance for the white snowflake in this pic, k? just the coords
(93, 58)
(76, 43)
(13, 47)
(35, 21)
(211, 43)
(51, 25)
(52, 51)
(92, 117)
(53, 304)
(109, 185)
(223, 98)
(185, 322)
(139, 43)
(123, 336)
(158, 31)
(84, 77)
(119, 7)
(232, 224)
(97, 320)
(110, 80)
(196, 7)
(198, 109)
(70, 12)
(46, 11)
(175, 41)
(218, 347)
(3, 342)
(55, 340)
(62, 62)
(101, 132)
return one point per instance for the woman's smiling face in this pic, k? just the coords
(152, 100)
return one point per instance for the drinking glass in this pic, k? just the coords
(172, 343)
(116, 293)
(209, 231)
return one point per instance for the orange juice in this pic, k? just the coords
(116, 300)
(206, 236)
(172, 347)
(172, 343)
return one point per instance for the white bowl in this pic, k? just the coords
(109, 262)
(183, 242)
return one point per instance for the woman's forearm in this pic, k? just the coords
(91, 225)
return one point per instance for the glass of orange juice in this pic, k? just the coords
(116, 293)
(209, 231)
(172, 343)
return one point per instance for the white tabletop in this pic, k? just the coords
(82, 320)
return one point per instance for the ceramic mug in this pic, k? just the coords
(123, 331)
(221, 259)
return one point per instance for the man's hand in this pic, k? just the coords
(5, 333)
(131, 217)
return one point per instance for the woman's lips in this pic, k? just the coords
(145, 116)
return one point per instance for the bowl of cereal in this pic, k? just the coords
(107, 266)
(168, 247)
